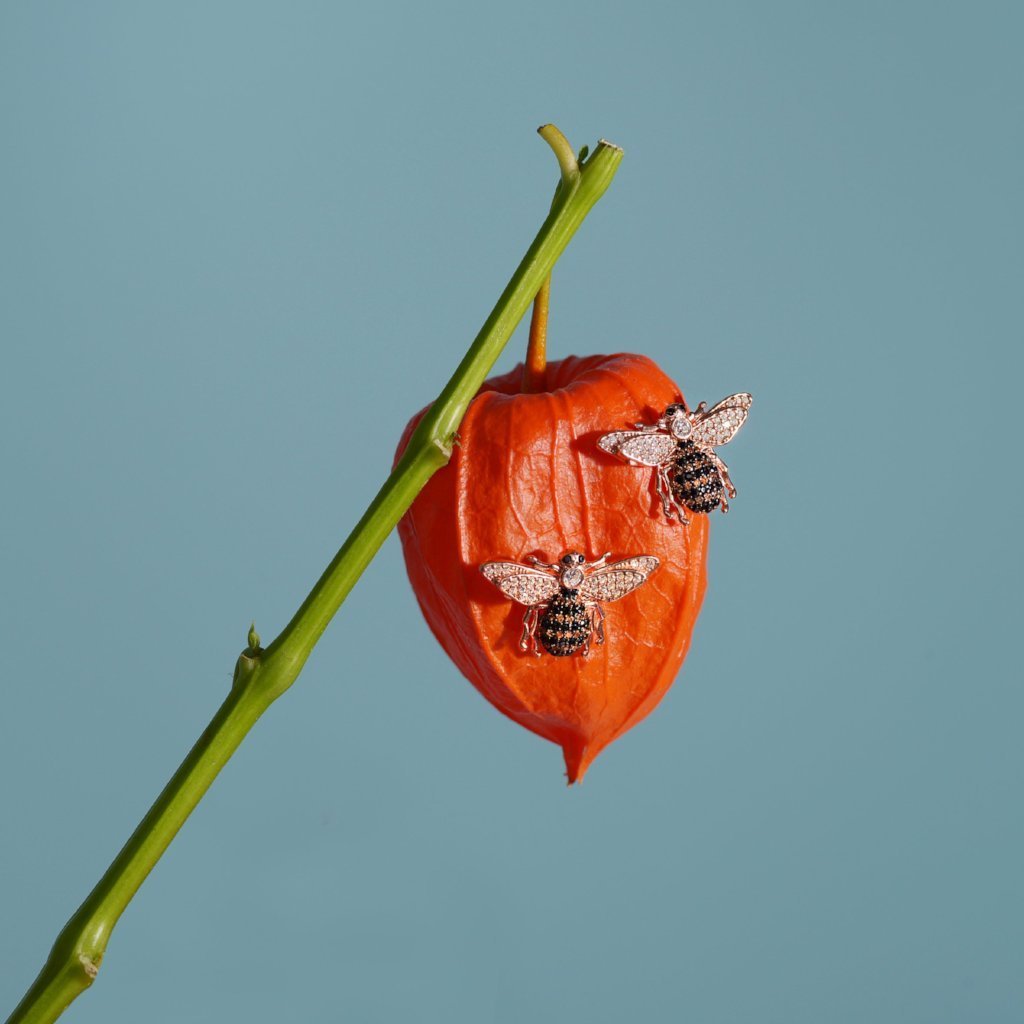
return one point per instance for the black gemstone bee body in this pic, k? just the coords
(696, 482)
(565, 626)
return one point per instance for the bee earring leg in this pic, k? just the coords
(528, 638)
(669, 504)
(533, 560)
(597, 622)
(662, 487)
(538, 611)
(723, 470)
(531, 620)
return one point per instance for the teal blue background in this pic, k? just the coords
(242, 242)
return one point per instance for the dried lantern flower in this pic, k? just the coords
(528, 479)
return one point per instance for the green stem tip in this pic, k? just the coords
(563, 152)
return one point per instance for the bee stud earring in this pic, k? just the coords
(688, 473)
(563, 599)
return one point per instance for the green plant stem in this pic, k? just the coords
(261, 676)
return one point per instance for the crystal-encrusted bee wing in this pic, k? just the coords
(521, 583)
(646, 447)
(721, 423)
(618, 579)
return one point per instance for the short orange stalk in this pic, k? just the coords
(535, 367)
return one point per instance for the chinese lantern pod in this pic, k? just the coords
(528, 479)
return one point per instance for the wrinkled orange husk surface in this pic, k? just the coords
(527, 478)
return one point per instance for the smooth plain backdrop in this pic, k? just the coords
(240, 243)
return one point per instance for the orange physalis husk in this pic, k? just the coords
(527, 478)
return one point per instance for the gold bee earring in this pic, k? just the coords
(563, 599)
(688, 473)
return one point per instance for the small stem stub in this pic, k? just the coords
(248, 660)
(563, 152)
(535, 367)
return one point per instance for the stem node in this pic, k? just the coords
(245, 668)
(90, 966)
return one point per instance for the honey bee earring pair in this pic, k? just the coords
(563, 600)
